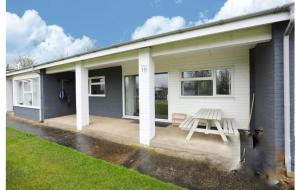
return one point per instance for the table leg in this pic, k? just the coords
(207, 126)
(195, 125)
(224, 138)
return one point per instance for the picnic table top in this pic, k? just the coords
(208, 114)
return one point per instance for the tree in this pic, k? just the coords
(8, 67)
(24, 62)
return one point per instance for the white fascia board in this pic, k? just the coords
(20, 72)
(220, 28)
(26, 76)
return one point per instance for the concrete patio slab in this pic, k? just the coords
(170, 140)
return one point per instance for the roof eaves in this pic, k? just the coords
(275, 10)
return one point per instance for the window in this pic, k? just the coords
(97, 86)
(197, 83)
(223, 81)
(209, 82)
(27, 92)
(196, 74)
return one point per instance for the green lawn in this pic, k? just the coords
(34, 163)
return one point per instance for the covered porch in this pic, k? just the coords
(170, 140)
(117, 96)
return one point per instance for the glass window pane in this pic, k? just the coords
(27, 85)
(28, 99)
(36, 92)
(131, 95)
(95, 80)
(197, 88)
(102, 89)
(223, 81)
(161, 95)
(98, 89)
(196, 74)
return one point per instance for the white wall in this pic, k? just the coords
(236, 106)
(9, 95)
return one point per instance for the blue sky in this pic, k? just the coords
(44, 30)
(111, 21)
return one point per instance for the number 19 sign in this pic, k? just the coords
(144, 68)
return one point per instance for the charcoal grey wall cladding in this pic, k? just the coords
(52, 105)
(28, 113)
(264, 106)
(268, 114)
(111, 104)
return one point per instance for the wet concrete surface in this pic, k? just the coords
(191, 174)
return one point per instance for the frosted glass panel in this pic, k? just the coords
(36, 92)
(28, 99)
(27, 85)
(19, 92)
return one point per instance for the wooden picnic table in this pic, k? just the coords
(209, 116)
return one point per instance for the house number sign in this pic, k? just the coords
(144, 68)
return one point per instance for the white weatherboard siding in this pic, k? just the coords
(235, 106)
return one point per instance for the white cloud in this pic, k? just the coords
(29, 35)
(158, 25)
(203, 18)
(232, 8)
(178, 1)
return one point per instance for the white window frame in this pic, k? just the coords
(23, 80)
(213, 78)
(97, 83)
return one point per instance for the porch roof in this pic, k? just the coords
(216, 27)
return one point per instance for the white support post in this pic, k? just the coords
(146, 96)
(82, 98)
(287, 118)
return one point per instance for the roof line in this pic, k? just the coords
(278, 9)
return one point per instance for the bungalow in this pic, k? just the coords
(225, 65)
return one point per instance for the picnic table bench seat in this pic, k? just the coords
(188, 122)
(229, 126)
(225, 126)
